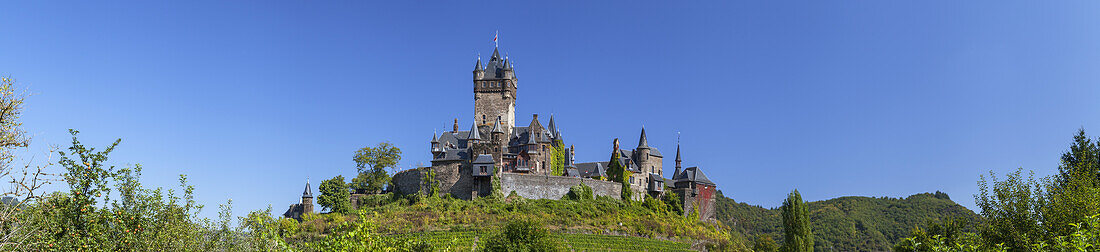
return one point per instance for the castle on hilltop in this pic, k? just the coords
(533, 161)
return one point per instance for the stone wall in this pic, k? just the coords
(408, 181)
(552, 187)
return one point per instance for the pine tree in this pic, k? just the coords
(797, 236)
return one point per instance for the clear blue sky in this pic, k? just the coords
(842, 98)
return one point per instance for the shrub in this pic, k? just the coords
(579, 192)
(521, 235)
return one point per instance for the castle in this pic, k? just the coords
(533, 161)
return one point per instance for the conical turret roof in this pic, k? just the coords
(474, 134)
(496, 127)
(553, 128)
(308, 193)
(642, 142)
(478, 66)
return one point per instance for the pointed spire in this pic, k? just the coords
(478, 66)
(496, 55)
(307, 193)
(434, 138)
(531, 137)
(496, 127)
(553, 128)
(474, 134)
(642, 143)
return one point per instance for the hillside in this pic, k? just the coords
(848, 223)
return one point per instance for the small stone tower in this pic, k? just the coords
(307, 199)
(495, 92)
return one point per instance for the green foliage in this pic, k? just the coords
(797, 234)
(334, 195)
(764, 243)
(579, 192)
(1024, 214)
(673, 201)
(11, 128)
(108, 209)
(373, 161)
(848, 223)
(557, 158)
(430, 180)
(521, 235)
(1011, 210)
(949, 231)
(618, 173)
(654, 204)
(1073, 192)
(464, 240)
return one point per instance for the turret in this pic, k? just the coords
(436, 149)
(642, 150)
(479, 71)
(508, 72)
(497, 133)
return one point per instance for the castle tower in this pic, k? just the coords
(495, 92)
(307, 199)
(642, 153)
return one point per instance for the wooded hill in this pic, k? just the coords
(848, 223)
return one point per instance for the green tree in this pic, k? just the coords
(334, 195)
(521, 235)
(797, 236)
(764, 243)
(1011, 210)
(1073, 192)
(373, 161)
(12, 135)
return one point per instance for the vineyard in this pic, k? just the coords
(466, 240)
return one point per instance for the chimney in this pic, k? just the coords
(455, 126)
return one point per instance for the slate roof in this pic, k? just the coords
(572, 172)
(483, 159)
(308, 193)
(451, 155)
(495, 68)
(692, 174)
(592, 169)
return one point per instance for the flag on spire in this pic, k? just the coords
(495, 36)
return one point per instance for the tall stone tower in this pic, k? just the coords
(495, 92)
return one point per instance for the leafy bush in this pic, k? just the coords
(579, 192)
(521, 235)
